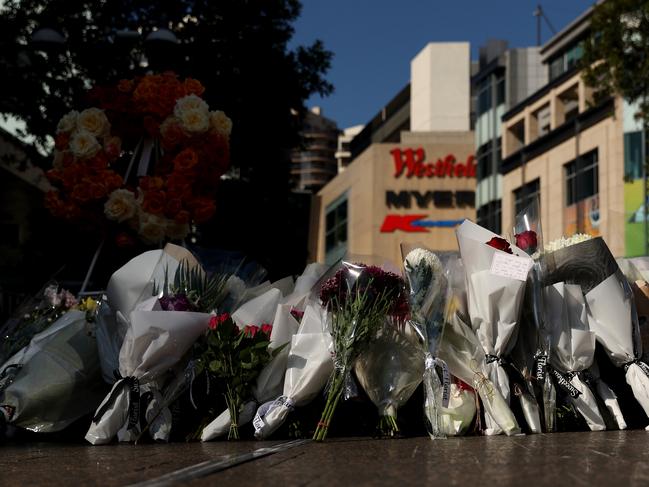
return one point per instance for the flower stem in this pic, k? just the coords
(233, 407)
(333, 396)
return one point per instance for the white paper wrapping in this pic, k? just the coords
(462, 351)
(57, 379)
(309, 366)
(155, 341)
(494, 302)
(458, 416)
(611, 319)
(259, 310)
(573, 345)
(129, 285)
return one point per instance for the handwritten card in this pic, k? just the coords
(510, 266)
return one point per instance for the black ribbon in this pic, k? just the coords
(494, 358)
(644, 367)
(563, 381)
(132, 384)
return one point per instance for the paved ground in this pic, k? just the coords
(572, 459)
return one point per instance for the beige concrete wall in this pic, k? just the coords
(607, 138)
(372, 174)
(440, 90)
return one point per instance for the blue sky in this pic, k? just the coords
(373, 41)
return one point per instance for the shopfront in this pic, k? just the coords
(415, 191)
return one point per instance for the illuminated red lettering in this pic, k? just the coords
(402, 222)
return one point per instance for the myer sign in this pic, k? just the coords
(411, 163)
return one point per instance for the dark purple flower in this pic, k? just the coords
(176, 302)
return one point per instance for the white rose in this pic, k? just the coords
(120, 206)
(152, 228)
(94, 121)
(176, 231)
(84, 144)
(220, 123)
(195, 121)
(190, 102)
(68, 122)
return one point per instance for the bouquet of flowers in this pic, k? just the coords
(573, 348)
(496, 274)
(235, 358)
(456, 418)
(428, 288)
(308, 368)
(588, 262)
(55, 379)
(160, 331)
(529, 238)
(34, 316)
(286, 322)
(358, 299)
(179, 149)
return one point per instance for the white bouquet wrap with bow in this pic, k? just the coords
(308, 369)
(496, 287)
(155, 341)
(572, 348)
(613, 318)
(129, 285)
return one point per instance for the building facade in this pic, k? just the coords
(314, 164)
(581, 154)
(504, 78)
(406, 185)
(343, 152)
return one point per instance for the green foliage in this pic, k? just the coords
(616, 53)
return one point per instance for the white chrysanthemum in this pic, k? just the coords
(220, 123)
(120, 206)
(68, 122)
(190, 102)
(84, 144)
(418, 256)
(94, 121)
(564, 242)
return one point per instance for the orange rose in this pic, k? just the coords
(124, 240)
(186, 160)
(97, 191)
(179, 187)
(152, 126)
(174, 205)
(193, 86)
(154, 202)
(171, 132)
(203, 209)
(81, 193)
(151, 183)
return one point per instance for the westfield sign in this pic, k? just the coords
(411, 163)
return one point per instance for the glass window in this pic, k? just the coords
(500, 91)
(524, 195)
(484, 161)
(484, 96)
(490, 216)
(336, 230)
(582, 178)
(632, 155)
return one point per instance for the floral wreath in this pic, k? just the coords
(180, 146)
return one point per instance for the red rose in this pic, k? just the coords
(500, 244)
(124, 240)
(215, 321)
(250, 331)
(266, 329)
(527, 241)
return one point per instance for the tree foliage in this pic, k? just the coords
(238, 49)
(616, 53)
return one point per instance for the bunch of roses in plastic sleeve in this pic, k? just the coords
(82, 172)
(234, 358)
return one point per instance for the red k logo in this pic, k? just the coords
(403, 223)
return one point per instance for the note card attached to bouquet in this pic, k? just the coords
(510, 266)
